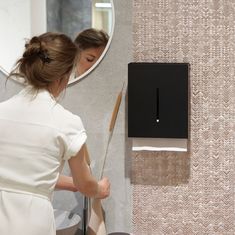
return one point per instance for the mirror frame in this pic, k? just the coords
(73, 79)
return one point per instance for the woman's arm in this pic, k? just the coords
(66, 183)
(83, 179)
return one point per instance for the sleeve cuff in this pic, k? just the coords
(75, 145)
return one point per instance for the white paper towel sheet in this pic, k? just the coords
(159, 144)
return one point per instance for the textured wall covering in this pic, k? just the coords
(191, 193)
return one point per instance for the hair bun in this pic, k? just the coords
(35, 65)
(33, 47)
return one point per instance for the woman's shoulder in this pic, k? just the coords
(62, 112)
(65, 118)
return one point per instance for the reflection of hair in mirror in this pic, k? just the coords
(91, 44)
(47, 59)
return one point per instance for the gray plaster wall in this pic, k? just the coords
(93, 99)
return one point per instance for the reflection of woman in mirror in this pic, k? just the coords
(91, 44)
(37, 136)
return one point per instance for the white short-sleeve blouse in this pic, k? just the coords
(36, 135)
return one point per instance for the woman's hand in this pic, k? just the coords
(103, 188)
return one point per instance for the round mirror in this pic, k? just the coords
(21, 19)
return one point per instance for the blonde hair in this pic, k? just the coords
(47, 58)
(91, 38)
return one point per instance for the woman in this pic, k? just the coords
(91, 44)
(37, 136)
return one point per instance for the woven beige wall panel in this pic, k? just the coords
(189, 193)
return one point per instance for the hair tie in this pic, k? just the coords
(44, 57)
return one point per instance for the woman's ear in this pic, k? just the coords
(58, 86)
(62, 83)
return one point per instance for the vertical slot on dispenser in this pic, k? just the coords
(157, 106)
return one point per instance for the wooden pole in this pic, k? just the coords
(97, 222)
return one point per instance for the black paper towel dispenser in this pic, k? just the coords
(158, 100)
